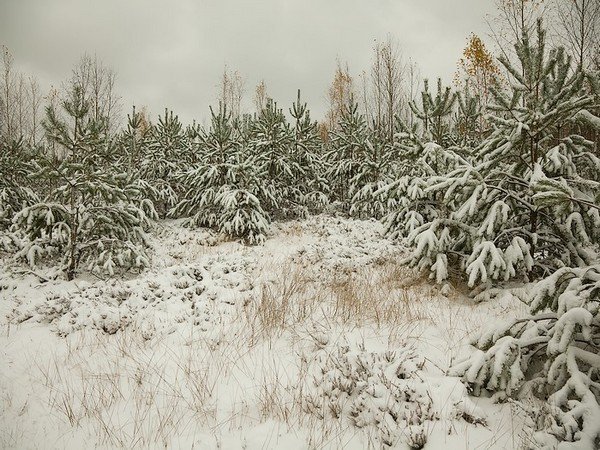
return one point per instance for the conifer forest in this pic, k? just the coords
(416, 267)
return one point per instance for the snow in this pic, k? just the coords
(316, 339)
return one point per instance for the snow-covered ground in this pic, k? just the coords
(317, 339)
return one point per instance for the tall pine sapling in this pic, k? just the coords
(526, 204)
(93, 215)
(543, 218)
(221, 191)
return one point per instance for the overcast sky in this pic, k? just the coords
(171, 53)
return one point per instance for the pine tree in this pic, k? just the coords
(92, 214)
(553, 353)
(470, 124)
(531, 207)
(15, 187)
(434, 111)
(352, 158)
(527, 203)
(307, 155)
(223, 190)
(272, 145)
(168, 151)
(419, 153)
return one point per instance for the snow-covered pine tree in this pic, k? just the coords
(354, 158)
(91, 214)
(133, 141)
(544, 220)
(375, 171)
(434, 113)
(527, 203)
(307, 154)
(15, 190)
(272, 144)
(168, 151)
(469, 121)
(419, 153)
(553, 353)
(222, 192)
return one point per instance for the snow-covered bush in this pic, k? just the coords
(554, 354)
(91, 214)
(372, 390)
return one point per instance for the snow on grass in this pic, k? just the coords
(317, 339)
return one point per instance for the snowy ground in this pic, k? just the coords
(318, 339)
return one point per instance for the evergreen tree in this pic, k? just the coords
(15, 190)
(93, 215)
(433, 113)
(469, 122)
(527, 203)
(419, 153)
(352, 158)
(530, 206)
(307, 155)
(553, 353)
(168, 151)
(223, 191)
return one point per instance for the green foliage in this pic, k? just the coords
(524, 204)
(93, 215)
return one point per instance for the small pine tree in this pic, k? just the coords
(531, 207)
(433, 113)
(419, 153)
(223, 192)
(15, 187)
(168, 151)
(352, 158)
(306, 154)
(92, 214)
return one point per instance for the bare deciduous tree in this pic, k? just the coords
(338, 96)
(97, 82)
(388, 74)
(7, 102)
(260, 96)
(513, 18)
(231, 91)
(35, 106)
(578, 27)
(20, 103)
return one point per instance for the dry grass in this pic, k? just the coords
(129, 392)
(375, 295)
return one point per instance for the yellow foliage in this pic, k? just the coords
(477, 66)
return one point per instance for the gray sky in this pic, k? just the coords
(171, 53)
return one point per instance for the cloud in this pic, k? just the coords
(171, 54)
